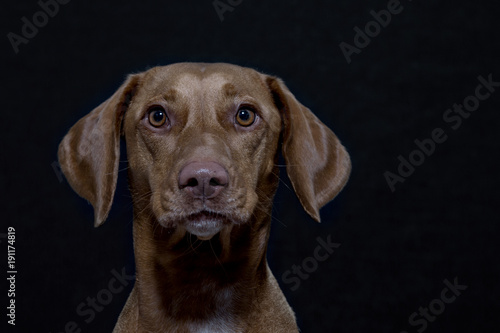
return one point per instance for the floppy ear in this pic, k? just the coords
(316, 162)
(90, 152)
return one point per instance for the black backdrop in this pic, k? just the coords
(396, 247)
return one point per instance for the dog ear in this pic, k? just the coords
(90, 151)
(316, 162)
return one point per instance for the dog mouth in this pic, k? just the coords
(204, 224)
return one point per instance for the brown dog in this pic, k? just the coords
(202, 144)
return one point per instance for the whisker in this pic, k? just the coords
(215, 255)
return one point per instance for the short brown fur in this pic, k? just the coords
(219, 281)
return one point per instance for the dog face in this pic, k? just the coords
(202, 143)
(188, 119)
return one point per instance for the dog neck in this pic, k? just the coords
(183, 281)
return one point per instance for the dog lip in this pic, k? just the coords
(204, 224)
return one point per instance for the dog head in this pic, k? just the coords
(202, 144)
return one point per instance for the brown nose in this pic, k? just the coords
(203, 180)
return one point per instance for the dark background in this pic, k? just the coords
(396, 248)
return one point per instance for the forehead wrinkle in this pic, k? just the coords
(188, 90)
(203, 93)
(229, 90)
(170, 95)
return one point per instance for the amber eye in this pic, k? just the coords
(157, 116)
(245, 117)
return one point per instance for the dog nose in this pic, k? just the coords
(203, 180)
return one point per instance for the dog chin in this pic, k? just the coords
(204, 229)
(204, 225)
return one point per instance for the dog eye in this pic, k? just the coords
(245, 117)
(157, 116)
